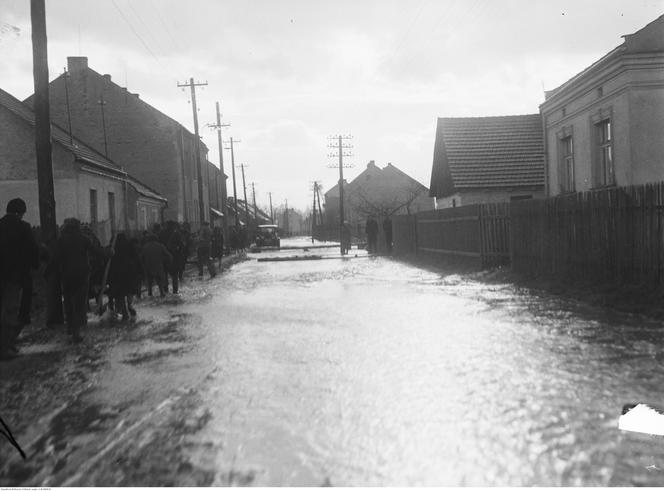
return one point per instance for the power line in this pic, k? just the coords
(147, 48)
(163, 23)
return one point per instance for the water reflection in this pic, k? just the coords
(372, 372)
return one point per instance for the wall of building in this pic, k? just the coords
(18, 158)
(144, 141)
(632, 93)
(646, 133)
(65, 198)
(480, 196)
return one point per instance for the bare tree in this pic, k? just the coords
(385, 205)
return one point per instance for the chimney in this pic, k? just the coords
(371, 164)
(77, 63)
(107, 76)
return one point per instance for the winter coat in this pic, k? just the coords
(73, 253)
(155, 258)
(18, 249)
(125, 270)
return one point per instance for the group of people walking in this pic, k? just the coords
(78, 268)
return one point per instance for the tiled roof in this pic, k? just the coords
(487, 152)
(144, 190)
(78, 148)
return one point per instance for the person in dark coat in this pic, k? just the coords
(156, 259)
(140, 274)
(204, 250)
(18, 254)
(217, 244)
(177, 248)
(73, 254)
(371, 228)
(185, 235)
(387, 228)
(122, 276)
(234, 239)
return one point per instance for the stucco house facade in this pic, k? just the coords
(487, 160)
(87, 185)
(604, 126)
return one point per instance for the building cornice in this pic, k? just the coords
(580, 86)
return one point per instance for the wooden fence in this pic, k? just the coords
(614, 235)
(477, 234)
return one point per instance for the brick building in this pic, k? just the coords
(150, 145)
(87, 185)
(604, 126)
(487, 159)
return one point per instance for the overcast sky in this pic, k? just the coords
(290, 73)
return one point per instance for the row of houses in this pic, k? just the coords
(600, 129)
(118, 162)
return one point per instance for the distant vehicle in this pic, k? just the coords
(268, 236)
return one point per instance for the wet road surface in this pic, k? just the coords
(358, 371)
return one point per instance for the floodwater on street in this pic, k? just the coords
(366, 371)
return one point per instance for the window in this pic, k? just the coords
(564, 111)
(93, 206)
(600, 91)
(604, 153)
(566, 178)
(111, 209)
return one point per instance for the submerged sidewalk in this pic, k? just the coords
(41, 388)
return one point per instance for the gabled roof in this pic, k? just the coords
(333, 192)
(487, 152)
(80, 150)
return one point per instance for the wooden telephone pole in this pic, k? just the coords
(340, 146)
(253, 193)
(224, 195)
(197, 149)
(246, 207)
(237, 213)
(43, 149)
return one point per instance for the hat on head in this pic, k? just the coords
(17, 205)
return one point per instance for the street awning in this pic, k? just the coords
(216, 212)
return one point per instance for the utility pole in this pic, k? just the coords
(66, 77)
(340, 147)
(197, 150)
(286, 221)
(271, 214)
(320, 210)
(237, 213)
(43, 149)
(253, 192)
(224, 195)
(313, 213)
(102, 103)
(244, 186)
(42, 122)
